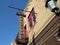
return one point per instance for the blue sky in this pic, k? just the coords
(9, 24)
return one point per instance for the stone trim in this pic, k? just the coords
(48, 31)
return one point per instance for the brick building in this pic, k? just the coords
(45, 30)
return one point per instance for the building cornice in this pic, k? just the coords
(49, 31)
